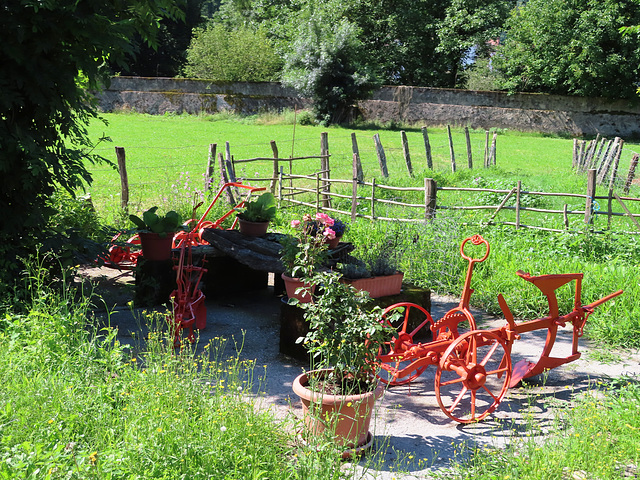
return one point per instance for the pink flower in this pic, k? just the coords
(295, 223)
(329, 234)
(321, 216)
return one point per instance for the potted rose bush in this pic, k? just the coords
(305, 253)
(345, 335)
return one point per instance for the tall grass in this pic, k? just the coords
(597, 438)
(76, 404)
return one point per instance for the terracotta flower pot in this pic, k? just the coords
(253, 229)
(377, 287)
(347, 417)
(291, 284)
(155, 247)
(333, 243)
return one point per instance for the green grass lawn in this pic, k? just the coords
(167, 157)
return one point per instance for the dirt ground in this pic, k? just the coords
(408, 424)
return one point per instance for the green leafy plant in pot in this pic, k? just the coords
(156, 232)
(376, 266)
(255, 215)
(344, 338)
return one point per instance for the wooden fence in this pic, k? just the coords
(430, 206)
(296, 189)
(594, 155)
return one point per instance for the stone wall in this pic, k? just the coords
(574, 116)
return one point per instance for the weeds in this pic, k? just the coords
(76, 403)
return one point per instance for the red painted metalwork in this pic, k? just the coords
(125, 257)
(474, 367)
(189, 310)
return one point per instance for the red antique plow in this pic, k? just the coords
(474, 368)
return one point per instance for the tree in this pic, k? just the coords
(240, 55)
(571, 47)
(53, 54)
(168, 55)
(326, 62)
(468, 26)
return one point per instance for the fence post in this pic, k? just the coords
(280, 187)
(632, 172)
(592, 151)
(124, 179)
(580, 154)
(211, 167)
(356, 156)
(596, 158)
(565, 212)
(519, 188)
(606, 163)
(486, 148)
(225, 179)
(324, 162)
(430, 192)
(382, 159)
(405, 152)
(373, 198)
(591, 192)
(469, 155)
(575, 153)
(231, 172)
(492, 155)
(276, 169)
(427, 148)
(354, 190)
(453, 157)
(616, 162)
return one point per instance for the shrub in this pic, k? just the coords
(241, 55)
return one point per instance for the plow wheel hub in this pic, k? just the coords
(476, 377)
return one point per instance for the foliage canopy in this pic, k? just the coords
(571, 48)
(53, 55)
(244, 54)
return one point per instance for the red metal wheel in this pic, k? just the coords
(395, 367)
(455, 322)
(473, 376)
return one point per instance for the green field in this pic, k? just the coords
(167, 155)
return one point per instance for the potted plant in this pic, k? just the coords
(376, 269)
(156, 232)
(344, 337)
(303, 254)
(255, 215)
(339, 229)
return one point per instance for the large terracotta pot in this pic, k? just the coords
(377, 287)
(155, 247)
(347, 417)
(291, 284)
(253, 229)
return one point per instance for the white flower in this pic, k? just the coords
(223, 428)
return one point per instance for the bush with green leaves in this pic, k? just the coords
(326, 62)
(241, 55)
(53, 56)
